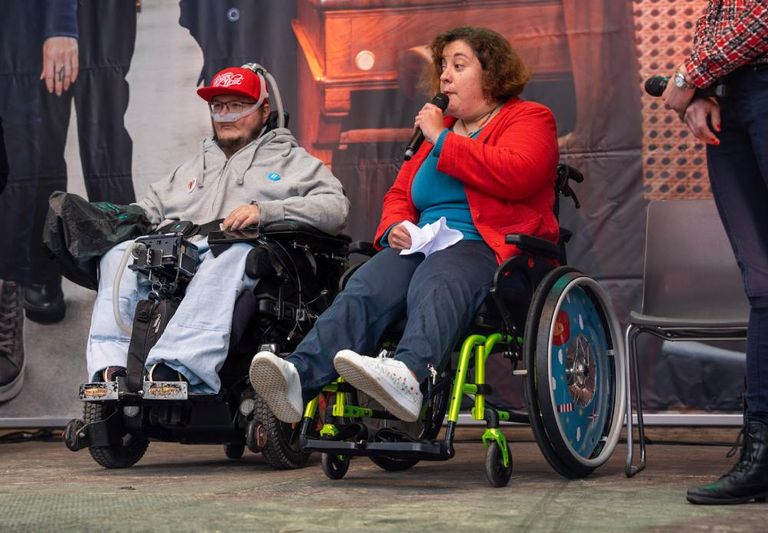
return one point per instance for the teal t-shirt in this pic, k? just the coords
(435, 194)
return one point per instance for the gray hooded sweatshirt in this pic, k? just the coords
(272, 171)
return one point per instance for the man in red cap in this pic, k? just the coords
(246, 174)
(236, 93)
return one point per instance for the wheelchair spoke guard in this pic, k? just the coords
(575, 358)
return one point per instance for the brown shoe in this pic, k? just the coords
(11, 340)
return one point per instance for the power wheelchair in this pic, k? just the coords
(556, 327)
(298, 270)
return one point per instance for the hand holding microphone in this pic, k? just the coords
(655, 86)
(441, 102)
(701, 115)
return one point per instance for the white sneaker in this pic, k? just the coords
(384, 379)
(277, 382)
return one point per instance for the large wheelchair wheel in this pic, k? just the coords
(126, 453)
(575, 382)
(281, 448)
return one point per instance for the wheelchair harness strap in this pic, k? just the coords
(152, 317)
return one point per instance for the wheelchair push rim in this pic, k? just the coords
(576, 374)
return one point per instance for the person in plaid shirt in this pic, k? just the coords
(731, 48)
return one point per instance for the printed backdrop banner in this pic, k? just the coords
(349, 72)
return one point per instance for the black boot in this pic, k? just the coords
(44, 303)
(11, 341)
(747, 480)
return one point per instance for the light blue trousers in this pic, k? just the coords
(196, 340)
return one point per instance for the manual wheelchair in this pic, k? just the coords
(298, 270)
(556, 327)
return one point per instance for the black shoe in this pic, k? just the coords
(162, 372)
(111, 373)
(11, 341)
(44, 303)
(747, 480)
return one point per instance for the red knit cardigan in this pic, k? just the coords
(508, 173)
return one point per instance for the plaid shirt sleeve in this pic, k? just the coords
(734, 45)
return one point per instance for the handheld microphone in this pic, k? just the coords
(441, 101)
(655, 86)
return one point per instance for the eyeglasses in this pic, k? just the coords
(229, 107)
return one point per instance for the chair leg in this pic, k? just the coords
(633, 380)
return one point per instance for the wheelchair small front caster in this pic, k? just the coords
(74, 435)
(234, 450)
(335, 466)
(498, 475)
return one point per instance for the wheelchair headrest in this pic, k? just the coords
(272, 120)
(565, 173)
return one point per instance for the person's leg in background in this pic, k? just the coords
(11, 316)
(738, 172)
(3, 160)
(106, 44)
(107, 41)
(43, 297)
(19, 110)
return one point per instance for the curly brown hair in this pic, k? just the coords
(504, 73)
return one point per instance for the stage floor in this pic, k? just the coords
(195, 488)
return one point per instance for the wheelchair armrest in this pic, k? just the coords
(363, 248)
(293, 243)
(288, 232)
(533, 245)
(293, 228)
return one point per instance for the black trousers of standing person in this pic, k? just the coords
(100, 94)
(3, 159)
(19, 111)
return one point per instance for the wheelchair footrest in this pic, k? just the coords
(151, 390)
(423, 450)
(165, 390)
(98, 392)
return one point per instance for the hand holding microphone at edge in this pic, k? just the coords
(697, 108)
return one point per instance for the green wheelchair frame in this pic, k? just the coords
(570, 354)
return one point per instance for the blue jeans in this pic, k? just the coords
(439, 294)
(738, 173)
(196, 340)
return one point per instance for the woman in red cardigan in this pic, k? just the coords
(485, 169)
